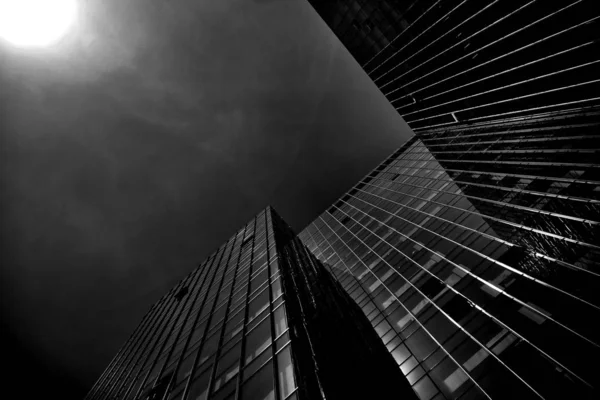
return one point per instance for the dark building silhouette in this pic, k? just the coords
(474, 249)
(260, 319)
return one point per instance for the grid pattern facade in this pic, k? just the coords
(221, 332)
(465, 312)
(331, 334)
(478, 240)
(260, 319)
(441, 62)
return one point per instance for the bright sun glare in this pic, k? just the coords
(35, 23)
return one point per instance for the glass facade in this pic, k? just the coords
(442, 62)
(467, 299)
(258, 320)
(478, 241)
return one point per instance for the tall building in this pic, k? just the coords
(260, 319)
(475, 247)
(465, 312)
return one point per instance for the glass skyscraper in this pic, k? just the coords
(475, 247)
(465, 312)
(260, 319)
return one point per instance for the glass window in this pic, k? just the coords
(276, 288)
(260, 385)
(209, 348)
(285, 373)
(455, 379)
(234, 325)
(258, 280)
(408, 365)
(258, 304)
(226, 393)
(425, 388)
(400, 354)
(184, 369)
(280, 320)
(257, 362)
(199, 387)
(258, 340)
(282, 341)
(421, 344)
(229, 359)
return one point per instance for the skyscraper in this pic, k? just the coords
(478, 240)
(260, 319)
(465, 312)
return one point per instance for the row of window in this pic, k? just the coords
(232, 300)
(432, 252)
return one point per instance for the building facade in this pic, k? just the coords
(260, 319)
(464, 298)
(442, 62)
(476, 246)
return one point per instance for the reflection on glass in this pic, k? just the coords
(199, 387)
(260, 385)
(280, 320)
(285, 373)
(258, 305)
(258, 340)
(276, 287)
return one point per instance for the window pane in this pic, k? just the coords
(229, 359)
(209, 348)
(258, 280)
(276, 287)
(260, 385)
(258, 305)
(258, 340)
(280, 320)
(425, 388)
(286, 372)
(199, 387)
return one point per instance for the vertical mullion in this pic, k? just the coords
(213, 372)
(119, 358)
(270, 273)
(210, 314)
(240, 377)
(215, 263)
(173, 316)
(191, 282)
(151, 344)
(196, 318)
(160, 315)
(207, 269)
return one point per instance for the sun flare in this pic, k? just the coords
(35, 23)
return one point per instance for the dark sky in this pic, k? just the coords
(135, 147)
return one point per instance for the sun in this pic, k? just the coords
(35, 23)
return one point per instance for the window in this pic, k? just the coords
(258, 305)
(258, 340)
(285, 373)
(199, 387)
(455, 379)
(260, 385)
(228, 365)
(276, 288)
(209, 348)
(280, 320)
(400, 354)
